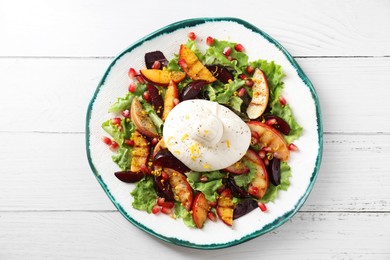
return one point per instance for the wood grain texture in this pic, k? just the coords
(104, 28)
(53, 94)
(52, 56)
(106, 235)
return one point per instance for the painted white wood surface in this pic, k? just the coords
(52, 56)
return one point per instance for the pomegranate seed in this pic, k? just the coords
(250, 69)
(154, 141)
(126, 113)
(239, 47)
(145, 169)
(293, 147)
(132, 87)
(160, 201)
(266, 161)
(191, 36)
(147, 96)
(166, 211)
(211, 215)
(106, 140)
(227, 51)
(229, 58)
(242, 76)
(176, 101)
(212, 204)
(156, 209)
(254, 141)
(164, 176)
(267, 149)
(116, 121)
(209, 40)
(129, 142)
(165, 204)
(241, 92)
(183, 64)
(282, 101)
(262, 154)
(114, 145)
(140, 79)
(132, 73)
(255, 135)
(253, 190)
(203, 178)
(226, 193)
(156, 65)
(271, 122)
(249, 82)
(262, 206)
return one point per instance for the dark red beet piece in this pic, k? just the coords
(153, 56)
(280, 124)
(193, 89)
(156, 99)
(129, 176)
(220, 72)
(244, 208)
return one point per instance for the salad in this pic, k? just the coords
(163, 162)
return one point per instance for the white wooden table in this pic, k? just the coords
(52, 56)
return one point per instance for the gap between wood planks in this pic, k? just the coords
(113, 57)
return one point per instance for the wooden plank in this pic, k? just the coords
(51, 172)
(349, 98)
(107, 235)
(105, 28)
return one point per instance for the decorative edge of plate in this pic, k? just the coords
(277, 222)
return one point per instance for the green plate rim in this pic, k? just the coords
(278, 221)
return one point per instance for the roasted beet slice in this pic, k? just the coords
(278, 123)
(244, 208)
(166, 159)
(274, 171)
(154, 56)
(236, 190)
(129, 176)
(163, 188)
(220, 72)
(156, 99)
(193, 89)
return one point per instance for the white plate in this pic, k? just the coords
(298, 91)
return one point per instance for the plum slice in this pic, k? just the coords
(166, 159)
(274, 171)
(163, 188)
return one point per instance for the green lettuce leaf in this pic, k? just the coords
(144, 195)
(208, 188)
(214, 55)
(275, 77)
(273, 190)
(181, 212)
(243, 180)
(123, 103)
(122, 158)
(229, 90)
